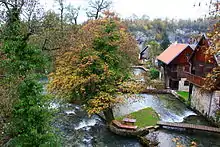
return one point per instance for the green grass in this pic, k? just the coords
(184, 95)
(144, 117)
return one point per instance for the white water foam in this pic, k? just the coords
(70, 112)
(54, 105)
(77, 107)
(88, 139)
(86, 124)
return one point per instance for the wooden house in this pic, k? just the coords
(174, 61)
(201, 64)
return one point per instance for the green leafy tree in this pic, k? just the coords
(22, 64)
(154, 50)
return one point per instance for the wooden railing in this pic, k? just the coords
(189, 126)
(197, 80)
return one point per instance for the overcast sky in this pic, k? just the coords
(177, 9)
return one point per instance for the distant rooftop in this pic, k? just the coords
(172, 52)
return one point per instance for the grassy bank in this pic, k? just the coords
(144, 117)
(184, 95)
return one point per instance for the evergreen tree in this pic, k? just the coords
(165, 41)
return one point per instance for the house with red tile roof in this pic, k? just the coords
(174, 61)
(201, 64)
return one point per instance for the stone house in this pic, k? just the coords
(207, 103)
(173, 62)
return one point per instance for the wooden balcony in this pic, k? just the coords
(196, 80)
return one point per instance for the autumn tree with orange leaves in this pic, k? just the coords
(93, 70)
(212, 80)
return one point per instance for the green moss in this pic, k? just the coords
(184, 95)
(144, 117)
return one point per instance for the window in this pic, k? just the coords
(186, 83)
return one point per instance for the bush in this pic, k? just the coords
(154, 73)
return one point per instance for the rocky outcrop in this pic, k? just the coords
(146, 142)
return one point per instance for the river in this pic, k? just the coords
(79, 130)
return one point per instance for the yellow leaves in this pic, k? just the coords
(212, 80)
(101, 102)
(131, 87)
(88, 70)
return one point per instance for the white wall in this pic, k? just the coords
(181, 85)
(206, 103)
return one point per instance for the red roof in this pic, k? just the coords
(172, 52)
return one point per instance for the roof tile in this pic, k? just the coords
(171, 52)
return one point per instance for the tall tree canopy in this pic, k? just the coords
(22, 63)
(93, 70)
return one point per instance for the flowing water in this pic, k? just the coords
(79, 130)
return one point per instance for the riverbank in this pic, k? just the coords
(170, 109)
(188, 105)
(138, 133)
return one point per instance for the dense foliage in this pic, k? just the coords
(22, 65)
(167, 30)
(93, 70)
(31, 117)
(154, 73)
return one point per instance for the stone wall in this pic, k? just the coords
(181, 85)
(206, 102)
(215, 105)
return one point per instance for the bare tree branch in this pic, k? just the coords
(72, 14)
(6, 4)
(97, 6)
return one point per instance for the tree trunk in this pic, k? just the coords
(61, 18)
(108, 115)
(97, 14)
(75, 21)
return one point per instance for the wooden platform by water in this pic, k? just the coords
(189, 126)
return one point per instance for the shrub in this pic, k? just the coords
(157, 84)
(154, 73)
